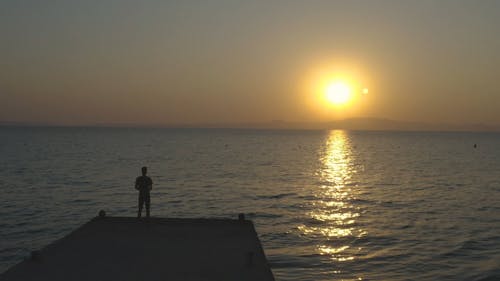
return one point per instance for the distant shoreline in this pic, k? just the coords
(355, 124)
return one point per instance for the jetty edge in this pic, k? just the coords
(124, 248)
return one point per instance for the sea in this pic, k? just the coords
(326, 204)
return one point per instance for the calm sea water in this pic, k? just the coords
(328, 205)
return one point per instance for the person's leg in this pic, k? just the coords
(147, 200)
(141, 203)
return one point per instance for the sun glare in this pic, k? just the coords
(338, 93)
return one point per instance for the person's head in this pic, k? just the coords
(144, 170)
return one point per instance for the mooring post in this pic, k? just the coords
(102, 214)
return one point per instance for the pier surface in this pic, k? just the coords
(118, 248)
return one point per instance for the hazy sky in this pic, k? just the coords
(159, 62)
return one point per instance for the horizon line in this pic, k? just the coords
(353, 124)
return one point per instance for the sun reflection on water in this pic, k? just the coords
(333, 216)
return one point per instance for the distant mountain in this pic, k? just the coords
(364, 124)
(393, 125)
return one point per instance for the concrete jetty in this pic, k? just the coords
(120, 248)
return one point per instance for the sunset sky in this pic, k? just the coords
(159, 62)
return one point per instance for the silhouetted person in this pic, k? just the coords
(144, 184)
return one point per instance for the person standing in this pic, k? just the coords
(144, 184)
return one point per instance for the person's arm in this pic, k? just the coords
(150, 184)
(137, 183)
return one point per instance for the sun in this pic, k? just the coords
(338, 93)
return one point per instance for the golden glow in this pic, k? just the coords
(338, 93)
(332, 205)
(336, 90)
(330, 250)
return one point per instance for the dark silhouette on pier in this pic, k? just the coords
(144, 184)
